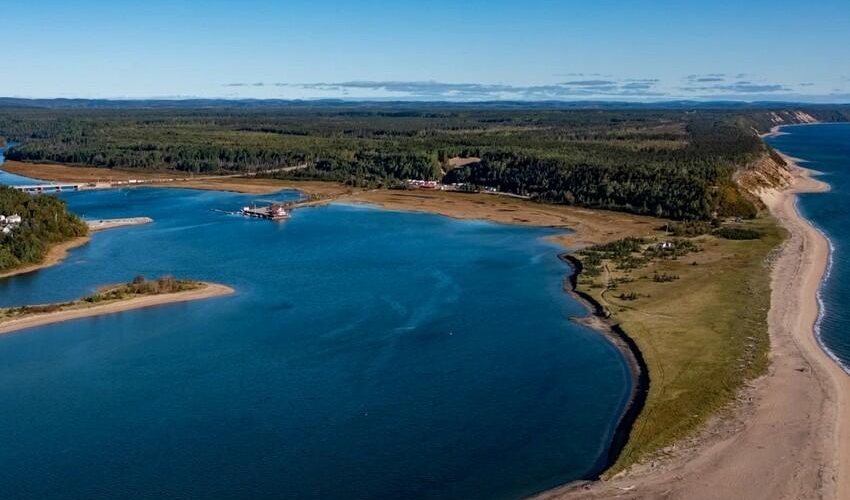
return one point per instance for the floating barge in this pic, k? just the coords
(271, 212)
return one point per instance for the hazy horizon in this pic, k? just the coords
(543, 103)
(533, 51)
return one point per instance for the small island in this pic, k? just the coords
(136, 294)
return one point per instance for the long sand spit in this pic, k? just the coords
(208, 290)
(790, 436)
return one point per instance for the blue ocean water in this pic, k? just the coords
(366, 354)
(826, 149)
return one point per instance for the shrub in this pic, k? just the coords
(737, 233)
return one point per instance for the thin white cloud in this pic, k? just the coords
(581, 87)
(432, 89)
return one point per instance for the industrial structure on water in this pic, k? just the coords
(275, 211)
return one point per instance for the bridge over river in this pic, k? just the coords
(58, 187)
(54, 187)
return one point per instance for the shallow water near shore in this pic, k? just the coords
(826, 149)
(365, 354)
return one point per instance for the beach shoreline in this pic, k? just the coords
(55, 255)
(814, 266)
(790, 436)
(774, 131)
(208, 290)
(59, 252)
(598, 321)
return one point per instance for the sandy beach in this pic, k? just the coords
(207, 291)
(789, 437)
(582, 226)
(804, 262)
(55, 255)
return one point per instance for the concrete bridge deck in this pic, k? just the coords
(53, 187)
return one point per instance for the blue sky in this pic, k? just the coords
(440, 49)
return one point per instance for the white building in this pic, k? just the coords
(13, 219)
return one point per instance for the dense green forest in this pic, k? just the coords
(687, 177)
(45, 221)
(677, 163)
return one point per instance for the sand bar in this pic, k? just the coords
(208, 290)
(102, 224)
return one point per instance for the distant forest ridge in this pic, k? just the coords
(678, 162)
(194, 103)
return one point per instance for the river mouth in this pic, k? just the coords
(366, 353)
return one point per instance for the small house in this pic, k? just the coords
(7, 230)
(13, 219)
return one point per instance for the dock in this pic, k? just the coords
(278, 210)
(274, 211)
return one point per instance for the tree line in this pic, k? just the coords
(669, 162)
(45, 221)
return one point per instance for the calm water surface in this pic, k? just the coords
(12, 179)
(826, 148)
(366, 354)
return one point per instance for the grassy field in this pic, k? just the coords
(700, 320)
